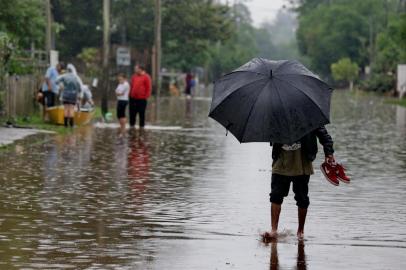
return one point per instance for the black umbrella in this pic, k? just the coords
(271, 101)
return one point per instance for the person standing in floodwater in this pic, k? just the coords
(293, 163)
(122, 91)
(139, 94)
(188, 84)
(71, 89)
(50, 88)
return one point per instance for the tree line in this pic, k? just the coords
(215, 36)
(344, 40)
(347, 40)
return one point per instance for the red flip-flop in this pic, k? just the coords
(340, 172)
(329, 173)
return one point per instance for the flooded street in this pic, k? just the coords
(182, 195)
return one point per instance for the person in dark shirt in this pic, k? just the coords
(293, 164)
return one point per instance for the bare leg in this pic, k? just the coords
(275, 212)
(71, 114)
(66, 110)
(123, 122)
(301, 214)
(65, 114)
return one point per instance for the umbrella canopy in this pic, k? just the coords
(271, 101)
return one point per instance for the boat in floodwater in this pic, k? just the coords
(82, 116)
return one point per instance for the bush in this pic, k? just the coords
(378, 83)
(345, 70)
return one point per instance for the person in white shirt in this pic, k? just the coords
(122, 92)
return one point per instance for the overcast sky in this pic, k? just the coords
(262, 10)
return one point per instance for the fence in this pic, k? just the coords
(19, 96)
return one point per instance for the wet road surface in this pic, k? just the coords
(182, 195)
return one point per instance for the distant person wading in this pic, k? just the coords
(71, 88)
(122, 100)
(139, 94)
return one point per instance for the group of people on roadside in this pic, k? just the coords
(68, 86)
(134, 94)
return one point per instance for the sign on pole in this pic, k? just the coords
(401, 80)
(123, 56)
(53, 58)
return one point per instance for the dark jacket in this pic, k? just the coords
(309, 144)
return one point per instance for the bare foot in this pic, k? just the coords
(268, 237)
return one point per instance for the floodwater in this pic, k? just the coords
(182, 195)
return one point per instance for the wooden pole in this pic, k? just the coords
(157, 47)
(106, 54)
(48, 38)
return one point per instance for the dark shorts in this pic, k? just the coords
(121, 106)
(68, 103)
(48, 98)
(280, 188)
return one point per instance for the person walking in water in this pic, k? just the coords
(139, 94)
(293, 164)
(71, 89)
(122, 91)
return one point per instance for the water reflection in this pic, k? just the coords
(300, 259)
(401, 118)
(138, 164)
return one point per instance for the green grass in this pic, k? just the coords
(396, 101)
(35, 121)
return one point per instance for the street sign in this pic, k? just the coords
(123, 56)
(53, 57)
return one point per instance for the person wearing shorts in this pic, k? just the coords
(293, 164)
(122, 92)
(71, 90)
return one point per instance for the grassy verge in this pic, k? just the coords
(36, 121)
(396, 101)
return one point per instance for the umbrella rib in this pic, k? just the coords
(279, 96)
(251, 109)
(306, 96)
(255, 72)
(306, 75)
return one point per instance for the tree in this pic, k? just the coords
(24, 22)
(330, 33)
(345, 70)
(80, 25)
(189, 29)
(240, 47)
(331, 30)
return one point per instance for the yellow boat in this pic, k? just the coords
(81, 117)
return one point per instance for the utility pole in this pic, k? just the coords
(48, 38)
(371, 41)
(106, 54)
(157, 49)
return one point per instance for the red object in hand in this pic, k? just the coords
(340, 171)
(329, 172)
